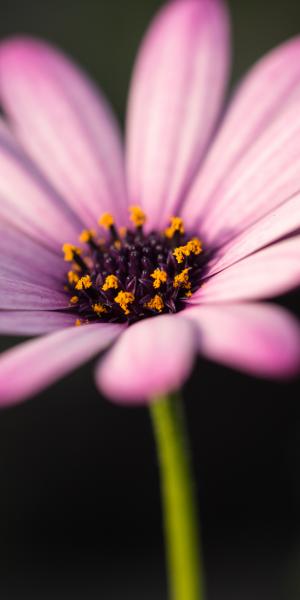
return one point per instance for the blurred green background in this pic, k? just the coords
(79, 500)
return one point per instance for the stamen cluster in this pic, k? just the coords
(129, 274)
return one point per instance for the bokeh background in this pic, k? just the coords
(79, 498)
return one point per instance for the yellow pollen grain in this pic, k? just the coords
(74, 299)
(69, 252)
(106, 220)
(86, 235)
(188, 294)
(182, 279)
(159, 277)
(123, 299)
(156, 303)
(117, 244)
(176, 225)
(179, 253)
(78, 322)
(194, 246)
(73, 277)
(111, 282)
(99, 309)
(84, 283)
(137, 216)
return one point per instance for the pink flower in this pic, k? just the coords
(236, 194)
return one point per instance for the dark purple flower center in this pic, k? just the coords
(131, 275)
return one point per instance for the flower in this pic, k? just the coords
(214, 217)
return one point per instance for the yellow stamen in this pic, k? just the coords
(194, 246)
(84, 283)
(106, 220)
(78, 322)
(180, 253)
(86, 235)
(159, 277)
(111, 281)
(74, 299)
(156, 303)
(176, 225)
(99, 308)
(137, 216)
(188, 294)
(69, 251)
(117, 244)
(123, 299)
(182, 279)
(72, 277)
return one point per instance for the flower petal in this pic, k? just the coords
(152, 357)
(260, 339)
(28, 202)
(267, 273)
(17, 295)
(34, 365)
(281, 222)
(7, 135)
(175, 97)
(26, 260)
(254, 163)
(27, 322)
(65, 125)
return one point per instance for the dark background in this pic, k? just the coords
(79, 499)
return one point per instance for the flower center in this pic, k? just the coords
(130, 275)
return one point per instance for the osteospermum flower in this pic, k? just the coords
(168, 245)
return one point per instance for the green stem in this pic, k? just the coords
(179, 507)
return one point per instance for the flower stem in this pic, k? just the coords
(179, 506)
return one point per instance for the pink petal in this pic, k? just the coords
(260, 339)
(280, 222)
(28, 203)
(267, 273)
(175, 97)
(26, 322)
(65, 125)
(16, 295)
(6, 135)
(254, 163)
(152, 357)
(15, 271)
(26, 260)
(34, 365)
